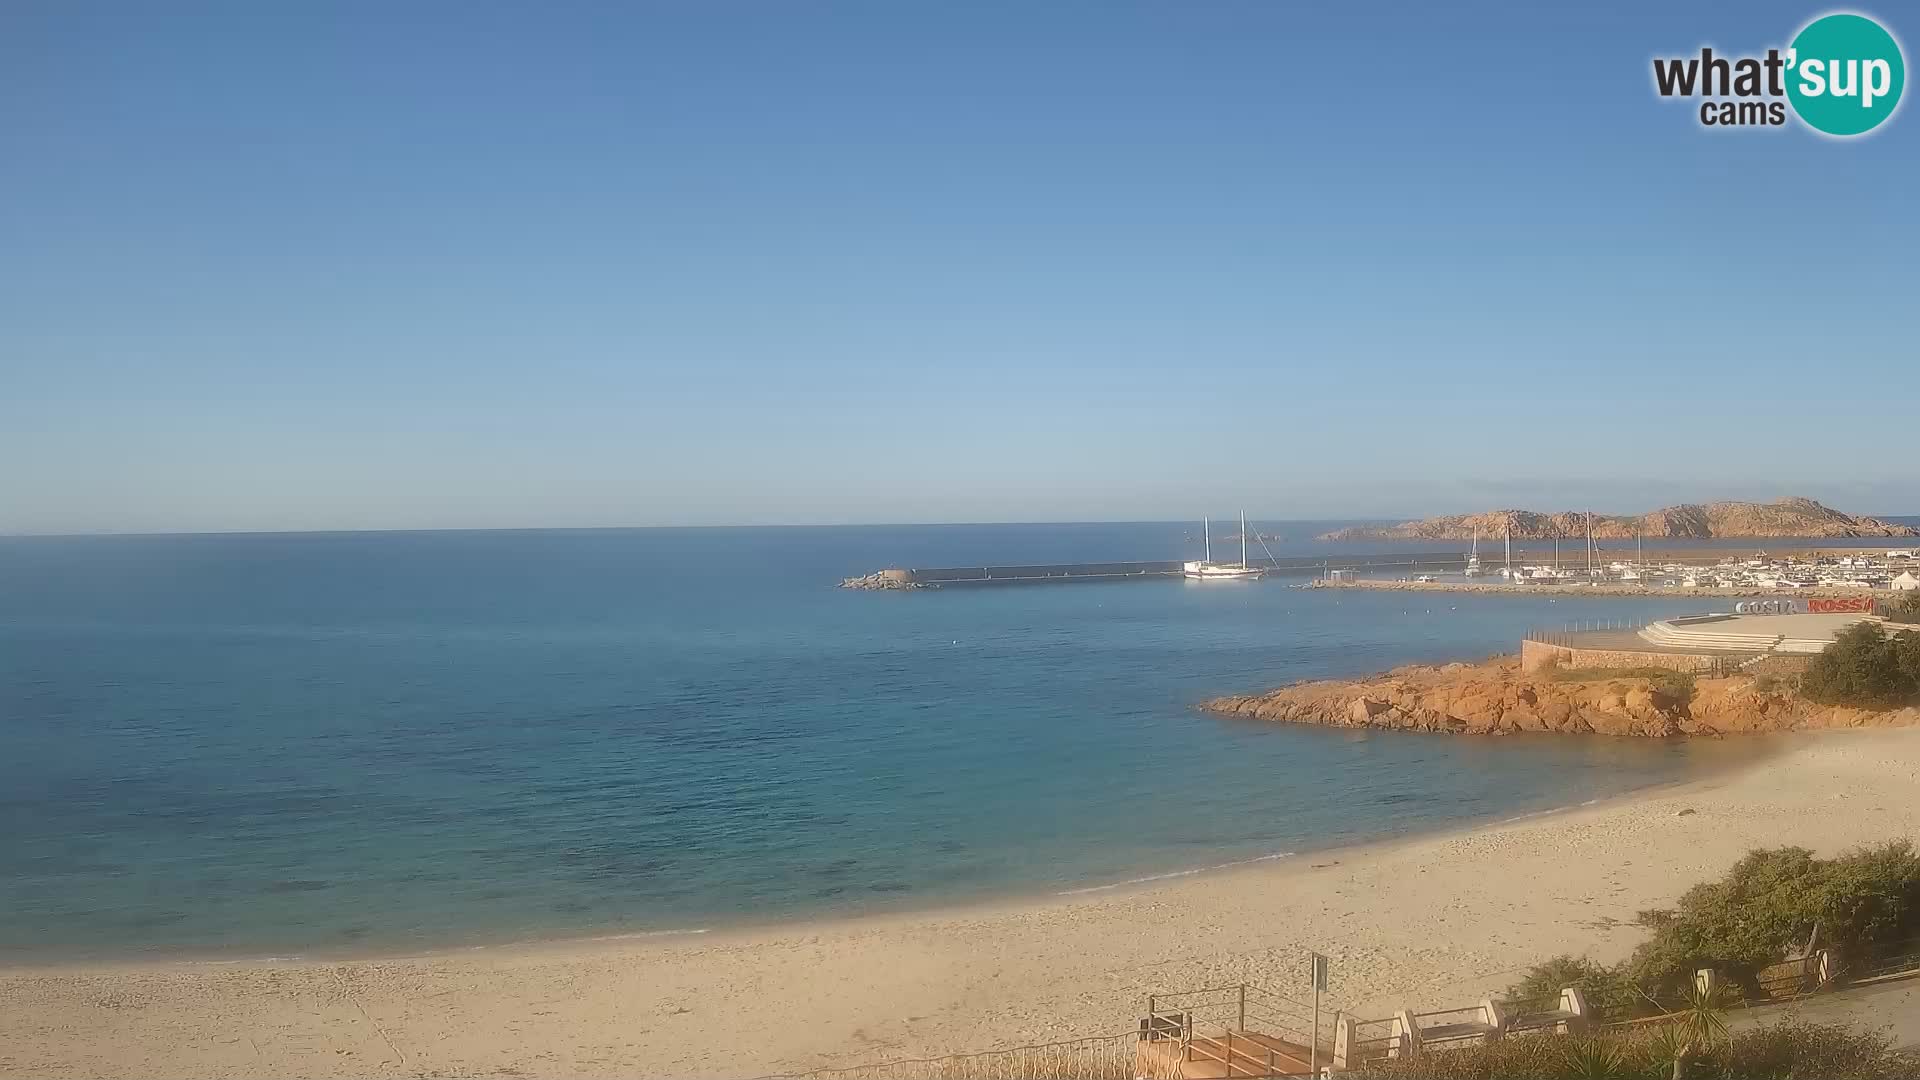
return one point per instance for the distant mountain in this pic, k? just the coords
(1690, 521)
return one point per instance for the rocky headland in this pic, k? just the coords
(1495, 697)
(1791, 517)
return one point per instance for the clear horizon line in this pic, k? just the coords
(108, 533)
(103, 534)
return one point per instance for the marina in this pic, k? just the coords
(1835, 572)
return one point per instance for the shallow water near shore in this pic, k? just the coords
(315, 743)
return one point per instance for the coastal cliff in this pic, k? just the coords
(1790, 517)
(1497, 698)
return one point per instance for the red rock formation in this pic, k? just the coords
(1497, 698)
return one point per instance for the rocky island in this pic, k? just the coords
(1790, 517)
(1495, 697)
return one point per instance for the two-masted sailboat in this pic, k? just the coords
(1208, 570)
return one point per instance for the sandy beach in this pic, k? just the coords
(1426, 922)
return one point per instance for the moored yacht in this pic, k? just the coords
(1208, 570)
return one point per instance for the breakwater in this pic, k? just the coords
(1055, 573)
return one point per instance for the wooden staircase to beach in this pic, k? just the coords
(1224, 1056)
(1227, 1033)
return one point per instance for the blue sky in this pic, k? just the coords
(356, 265)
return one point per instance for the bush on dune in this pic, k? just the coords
(1865, 903)
(1609, 989)
(1771, 904)
(1866, 668)
(1785, 1051)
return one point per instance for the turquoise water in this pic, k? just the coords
(299, 744)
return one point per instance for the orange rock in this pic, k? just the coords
(1496, 698)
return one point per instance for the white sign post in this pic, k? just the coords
(1313, 1038)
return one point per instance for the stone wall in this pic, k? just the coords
(1536, 655)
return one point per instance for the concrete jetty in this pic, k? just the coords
(1054, 573)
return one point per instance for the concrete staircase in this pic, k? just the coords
(1700, 632)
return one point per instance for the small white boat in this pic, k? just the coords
(1208, 570)
(1506, 568)
(1473, 559)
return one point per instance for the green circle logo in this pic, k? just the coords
(1845, 74)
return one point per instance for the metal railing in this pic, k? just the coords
(1246, 1007)
(1584, 626)
(1444, 1026)
(1542, 1014)
(1237, 1027)
(1373, 1041)
(1904, 963)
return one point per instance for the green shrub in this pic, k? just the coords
(1785, 1051)
(1596, 1058)
(1792, 1049)
(1864, 667)
(1608, 989)
(1903, 608)
(1674, 684)
(1535, 1058)
(1863, 902)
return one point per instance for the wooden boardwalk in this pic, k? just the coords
(1229, 1055)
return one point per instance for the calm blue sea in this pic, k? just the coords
(313, 743)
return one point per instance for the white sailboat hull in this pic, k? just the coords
(1206, 571)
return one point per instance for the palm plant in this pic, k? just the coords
(1697, 1027)
(1595, 1059)
(1703, 1015)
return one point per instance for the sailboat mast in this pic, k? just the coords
(1243, 539)
(1589, 545)
(1509, 549)
(1206, 534)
